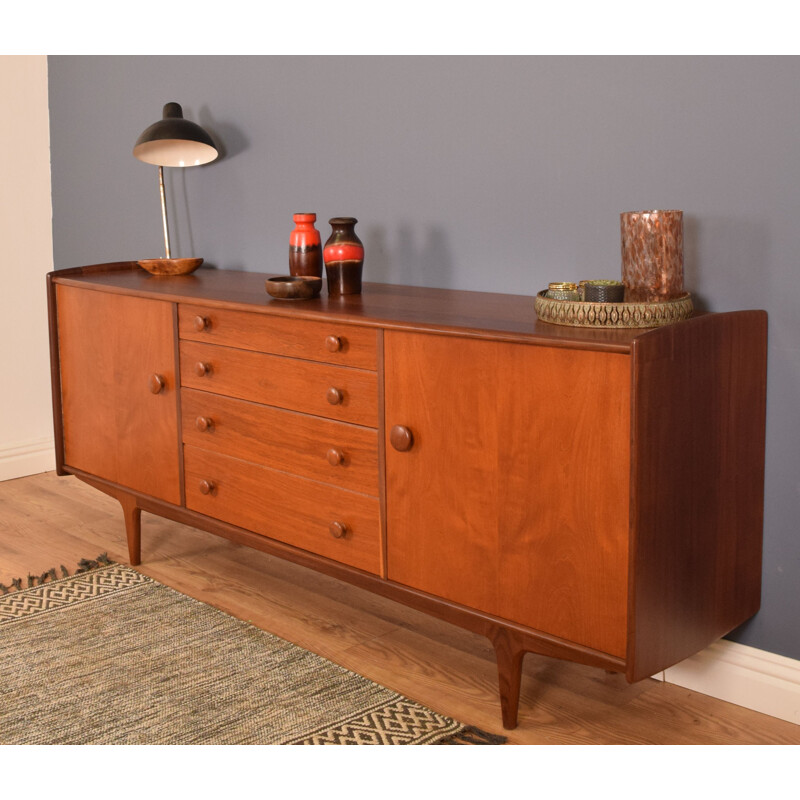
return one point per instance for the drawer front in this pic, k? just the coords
(320, 449)
(329, 342)
(341, 393)
(292, 510)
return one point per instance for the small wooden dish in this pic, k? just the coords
(291, 287)
(170, 266)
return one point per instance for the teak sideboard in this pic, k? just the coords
(588, 494)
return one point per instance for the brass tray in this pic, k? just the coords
(577, 313)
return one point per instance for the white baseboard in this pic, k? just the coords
(743, 675)
(27, 458)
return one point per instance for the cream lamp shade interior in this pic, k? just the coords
(175, 153)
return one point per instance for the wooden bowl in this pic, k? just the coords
(293, 287)
(170, 266)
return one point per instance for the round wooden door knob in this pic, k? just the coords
(202, 368)
(335, 457)
(208, 487)
(338, 530)
(204, 423)
(157, 383)
(335, 396)
(333, 343)
(202, 323)
(401, 438)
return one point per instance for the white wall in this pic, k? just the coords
(26, 256)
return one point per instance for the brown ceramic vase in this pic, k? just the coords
(344, 257)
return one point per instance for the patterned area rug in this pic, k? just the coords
(110, 656)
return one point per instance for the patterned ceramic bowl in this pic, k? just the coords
(612, 315)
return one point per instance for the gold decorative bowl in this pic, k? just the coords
(170, 266)
(580, 314)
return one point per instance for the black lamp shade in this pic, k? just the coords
(175, 142)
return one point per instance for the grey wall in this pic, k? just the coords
(484, 173)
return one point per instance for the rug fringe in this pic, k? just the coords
(472, 735)
(84, 565)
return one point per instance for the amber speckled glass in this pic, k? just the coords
(652, 255)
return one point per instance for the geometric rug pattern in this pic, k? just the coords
(111, 656)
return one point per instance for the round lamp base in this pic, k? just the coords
(170, 266)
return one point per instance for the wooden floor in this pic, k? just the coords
(47, 521)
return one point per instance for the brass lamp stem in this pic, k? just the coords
(163, 208)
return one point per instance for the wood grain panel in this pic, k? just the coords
(283, 382)
(293, 510)
(699, 431)
(513, 502)
(330, 342)
(114, 427)
(283, 440)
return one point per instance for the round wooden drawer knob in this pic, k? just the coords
(335, 457)
(202, 368)
(335, 396)
(202, 323)
(338, 530)
(333, 343)
(157, 383)
(208, 487)
(401, 438)
(204, 423)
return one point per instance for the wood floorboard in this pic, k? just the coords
(47, 521)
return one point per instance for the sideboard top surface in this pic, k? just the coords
(499, 316)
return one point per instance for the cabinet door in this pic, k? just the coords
(513, 497)
(118, 389)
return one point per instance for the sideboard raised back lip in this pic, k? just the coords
(485, 315)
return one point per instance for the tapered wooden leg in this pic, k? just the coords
(509, 670)
(133, 529)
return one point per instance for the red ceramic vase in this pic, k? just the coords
(344, 257)
(305, 248)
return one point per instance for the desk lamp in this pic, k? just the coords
(173, 142)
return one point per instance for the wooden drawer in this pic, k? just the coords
(320, 449)
(283, 382)
(329, 342)
(293, 510)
